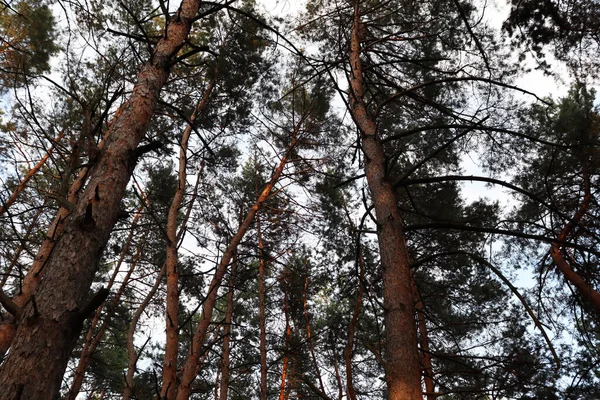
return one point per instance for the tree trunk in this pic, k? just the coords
(92, 342)
(262, 319)
(191, 364)
(351, 392)
(585, 290)
(311, 346)
(286, 356)
(227, 333)
(51, 322)
(169, 380)
(424, 340)
(32, 279)
(128, 392)
(402, 375)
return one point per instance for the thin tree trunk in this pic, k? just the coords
(132, 355)
(308, 333)
(424, 340)
(92, 342)
(402, 375)
(169, 380)
(585, 290)
(338, 377)
(131, 352)
(28, 176)
(51, 322)
(286, 357)
(227, 333)
(191, 364)
(262, 319)
(350, 391)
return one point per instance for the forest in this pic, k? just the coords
(326, 199)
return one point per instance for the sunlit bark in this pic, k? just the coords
(25, 180)
(169, 380)
(225, 367)
(402, 366)
(50, 323)
(192, 362)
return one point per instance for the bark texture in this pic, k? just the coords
(585, 290)
(403, 369)
(51, 322)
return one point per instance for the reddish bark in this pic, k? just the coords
(192, 362)
(13, 197)
(169, 380)
(227, 334)
(51, 322)
(585, 290)
(132, 355)
(286, 357)
(262, 318)
(402, 375)
(424, 340)
(308, 334)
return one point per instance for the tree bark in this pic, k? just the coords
(227, 333)
(424, 340)
(311, 346)
(51, 322)
(92, 341)
(169, 380)
(350, 391)
(30, 283)
(261, 310)
(286, 356)
(128, 392)
(402, 371)
(13, 197)
(191, 364)
(585, 290)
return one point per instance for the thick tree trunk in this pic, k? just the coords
(32, 279)
(403, 372)
(51, 322)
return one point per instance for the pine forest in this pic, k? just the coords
(285, 199)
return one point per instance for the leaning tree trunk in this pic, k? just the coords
(584, 288)
(403, 370)
(190, 368)
(51, 322)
